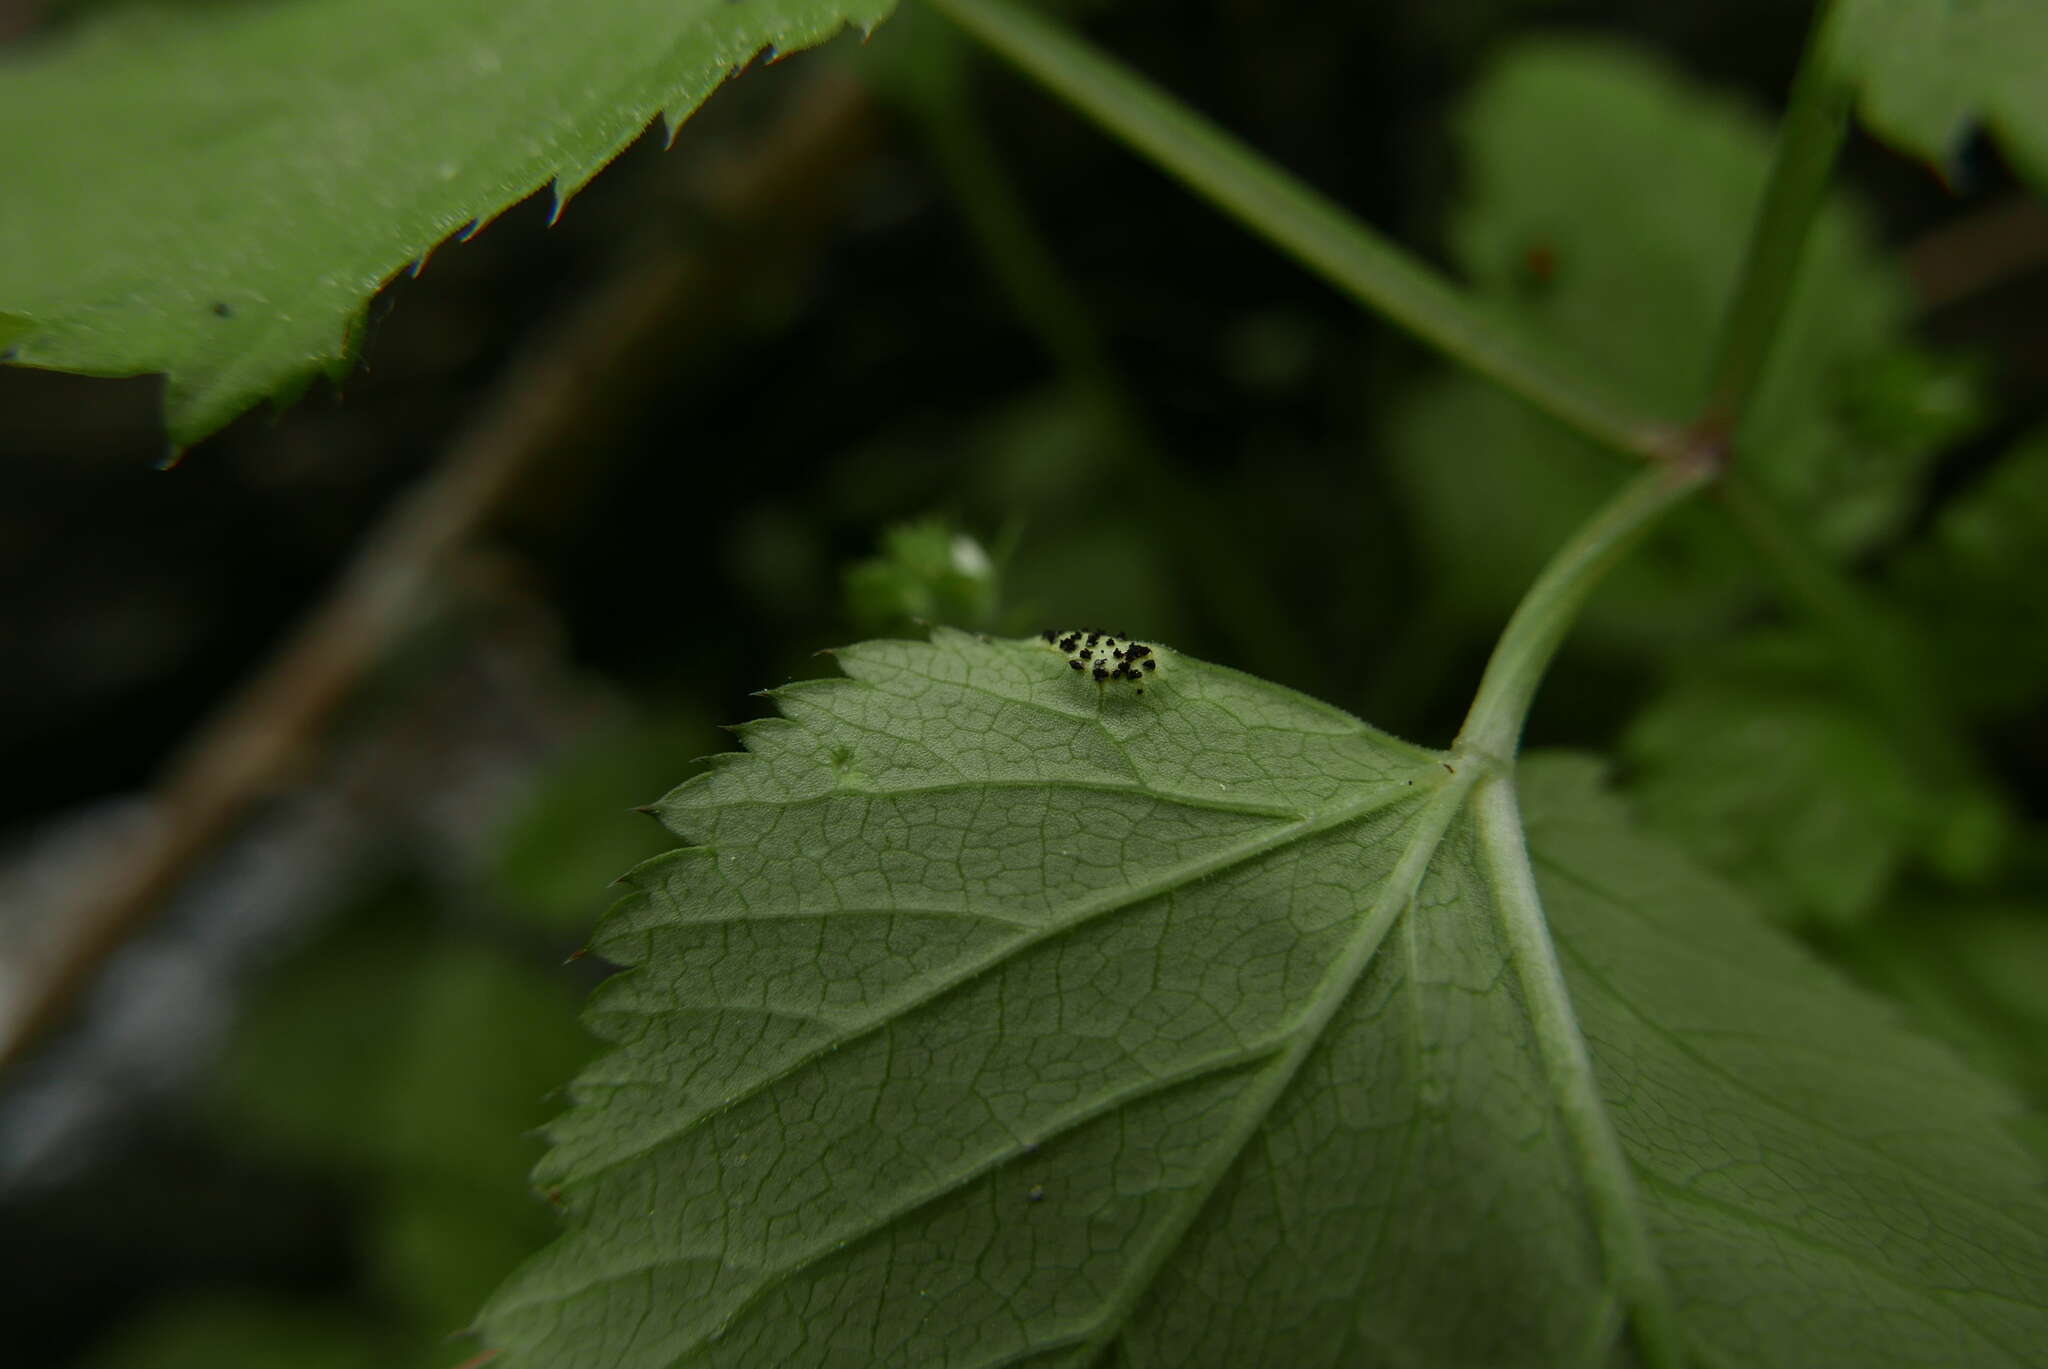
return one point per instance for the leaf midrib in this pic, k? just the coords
(1629, 1255)
(1397, 892)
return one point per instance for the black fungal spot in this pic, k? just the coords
(1151, 665)
(1050, 635)
(1101, 673)
(1077, 665)
(221, 310)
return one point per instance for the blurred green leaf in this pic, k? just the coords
(1758, 766)
(419, 1066)
(929, 571)
(1972, 973)
(1976, 585)
(1494, 487)
(1606, 204)
(487, 1039)
(250, 1333)
(556, 859)
(391, 1049)
(435, 1248)
(996, 1018)
(309, 1065)
(215, 191)
(1930, 70)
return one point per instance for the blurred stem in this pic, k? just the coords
(1493, 728)
(1878, 652)
(1307, 225)
(940, 96)
(1809, 139)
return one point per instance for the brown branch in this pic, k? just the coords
(780, 198)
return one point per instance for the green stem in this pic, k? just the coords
(1878, 653)
(1494, 726)
(941, 98)
(1307, 225)
(1809, 138)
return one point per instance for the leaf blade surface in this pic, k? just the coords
(215, 191)
(1931, 70)
(1193, 1037)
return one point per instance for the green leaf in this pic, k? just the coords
(998, 1018)
(417, 1066)
(928, 571)
(215, 191)
(214, 1331)
(549, 864)
(1973, 973)
(1975, 585)
(1558, 141)
(1929, 70)
(1755, 764)
(386, 1050)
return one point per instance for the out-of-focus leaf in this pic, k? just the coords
(1606, 205)
(420, 1066)
(435, 1247)
(999, 1018)
(392, 1052)
(1977, 584)
(246, 1333)
(1974, 974)
(486, 1040)
(928, 571)
(556, 859)
(1495, 486)
(1930, 70)
(308, 1069)
(1759, 767)
(214, 191)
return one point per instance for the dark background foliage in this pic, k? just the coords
(291, 1121)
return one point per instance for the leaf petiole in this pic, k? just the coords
(1493, 727)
